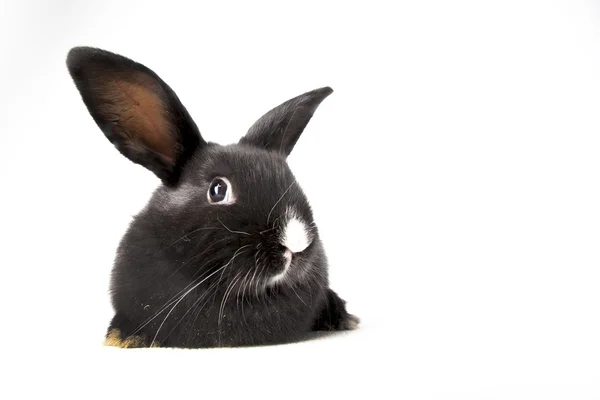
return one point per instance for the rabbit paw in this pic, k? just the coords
(351, 322)
(114, 339)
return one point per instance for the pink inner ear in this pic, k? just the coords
(137, 109)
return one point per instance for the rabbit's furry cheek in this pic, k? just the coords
(177, 197)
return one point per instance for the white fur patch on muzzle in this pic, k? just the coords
(296, 237)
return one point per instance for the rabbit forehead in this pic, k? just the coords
(256, 175)
(244, 165)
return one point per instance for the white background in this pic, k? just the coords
(454, 174)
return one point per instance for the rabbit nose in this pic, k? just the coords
(295, 237)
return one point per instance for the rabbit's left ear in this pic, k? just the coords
(279, 129)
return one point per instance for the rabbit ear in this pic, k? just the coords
(136, 110)
(279, 129)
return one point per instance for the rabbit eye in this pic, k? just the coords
(220, 191)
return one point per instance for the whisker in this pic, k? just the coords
(245, 285)
(276, 220)
(196, 256)
(255, 270)
(179, 301)
(230, 262)
(224, 301)
(296, 293)
(243, 233)
(184, 236)
(260, 273)
(238, 292)
(167, 304)
(191, 308)
(277, 202)
(266, 230)
(176, 296)
(232, 259)
(214, 287)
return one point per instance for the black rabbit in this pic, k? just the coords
(226, 252)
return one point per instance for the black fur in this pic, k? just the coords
(193, 274)
(279, 129)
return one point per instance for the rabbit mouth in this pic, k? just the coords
(295, 238)
(288, 256)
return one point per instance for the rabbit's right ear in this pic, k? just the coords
(136, 110)
(279, 129)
